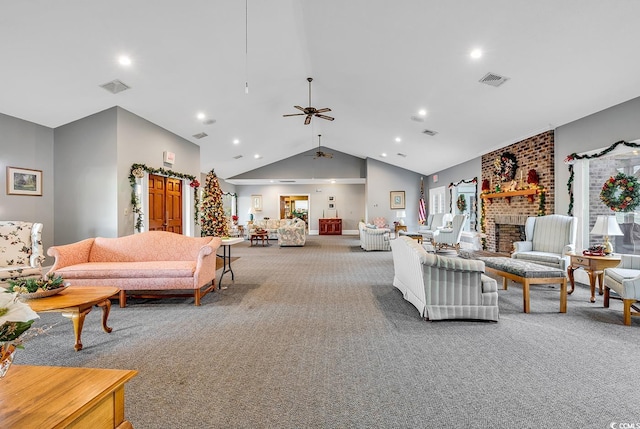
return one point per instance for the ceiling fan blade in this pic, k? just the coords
(295, 114)
(328, 118)
(307, 120)
(299, 108)
(325, 109)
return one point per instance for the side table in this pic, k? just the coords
(399, 228)
(594, 266)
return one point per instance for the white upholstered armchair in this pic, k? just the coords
(450, 237)
(21, 252)
(374, 238)
(548, 240)
(625, 282)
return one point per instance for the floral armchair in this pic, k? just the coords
(293, 234)
(21, 253)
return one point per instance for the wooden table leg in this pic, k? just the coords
(77, 317)
(563, 296)
(525, 295)
(592, 285)
(570, 271)
(600, 281)
(106, 308)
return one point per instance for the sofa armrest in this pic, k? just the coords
(206, 263)
(70, 254)
(377, 231)
(522, 246)
(569, 248)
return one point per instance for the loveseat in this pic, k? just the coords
(374, 238)
(442, 287)
(21, 252)
(270, 225)
(141, 264)
(293, 234)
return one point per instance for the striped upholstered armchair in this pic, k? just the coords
(374, 238)
(548, 240)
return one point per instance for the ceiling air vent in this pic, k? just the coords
(429, 132)
(287, 181)
(209, 122)
(493, 79)
(237, 157)
(115, 86)
(402, 155)
(417, 119)
(200, 135)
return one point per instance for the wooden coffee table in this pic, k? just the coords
(75, 303)
(259, 235)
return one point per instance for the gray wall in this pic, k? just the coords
(597, 131)
(142, 142)
(27, 145)
(93, 159)
(383, 178)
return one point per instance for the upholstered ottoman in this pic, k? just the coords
(526, 273)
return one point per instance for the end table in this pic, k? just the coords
(594, 266)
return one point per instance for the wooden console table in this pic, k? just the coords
(61, 397)
(330, 226)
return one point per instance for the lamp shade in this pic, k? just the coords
(401, 214)
(448, 217)
(607, 226)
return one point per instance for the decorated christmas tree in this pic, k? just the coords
(212, 220)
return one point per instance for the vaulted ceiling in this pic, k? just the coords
(375, 63)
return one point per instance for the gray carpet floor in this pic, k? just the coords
(317, 337)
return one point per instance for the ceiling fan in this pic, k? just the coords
(319, 153)
(311, 111)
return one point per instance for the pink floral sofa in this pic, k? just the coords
(138, 264)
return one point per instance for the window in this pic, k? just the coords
(436, 200)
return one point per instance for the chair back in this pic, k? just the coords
(380, 222)
(437, 219)
(551, 233)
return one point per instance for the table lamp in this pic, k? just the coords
(606, 225)
(251, 213)
(400, 215)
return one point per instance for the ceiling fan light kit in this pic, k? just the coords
(309, 111)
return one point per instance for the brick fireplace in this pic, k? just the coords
(505, 217)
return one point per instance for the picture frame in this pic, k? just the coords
(332, 199)
(397, 199)
(332, 206)
(256, 202)
(24, 181)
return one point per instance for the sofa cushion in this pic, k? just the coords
(620, 274)
(148, 269)
(151, 246)
(19, 272)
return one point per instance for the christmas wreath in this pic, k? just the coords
(621, 193)
(461, 203)
(505, 167)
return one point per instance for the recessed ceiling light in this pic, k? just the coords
(398, 139)
(384, 155)
(476, 53)
(124, 60)
(257, 156)
(201, 115)
(422, 112)
(236, 141)
(333, 181)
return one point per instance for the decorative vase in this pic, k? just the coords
(7, 353)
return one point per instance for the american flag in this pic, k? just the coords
(422, 211)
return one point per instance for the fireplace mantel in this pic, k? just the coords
(529, 193)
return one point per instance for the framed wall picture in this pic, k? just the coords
(332, 199)
(256, 202)
(23, 181)
(332, 206)
(397, 199)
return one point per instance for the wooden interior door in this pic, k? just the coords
(165, 204)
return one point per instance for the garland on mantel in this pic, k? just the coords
(137, 172)
(571, 160)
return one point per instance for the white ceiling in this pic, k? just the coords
(374, 63)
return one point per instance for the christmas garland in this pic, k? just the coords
(570, 160)
(621, 193)
(137, 172)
